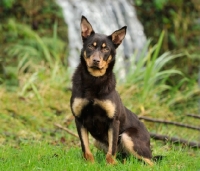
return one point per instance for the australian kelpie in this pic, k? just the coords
(96, 105)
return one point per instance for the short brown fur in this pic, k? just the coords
(96, 105)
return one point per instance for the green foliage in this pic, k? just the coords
(35, 13)
(7, 3)
(180, 21)
(177, 18)
(29, 36)
(149, 92)
(149, 71)
(26, 48)
(159, 4)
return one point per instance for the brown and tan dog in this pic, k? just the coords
(96, 105)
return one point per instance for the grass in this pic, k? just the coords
(44, 156)
(29, 140)
(26, 118)
(40, 97)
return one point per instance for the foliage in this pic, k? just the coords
(177, 18)
(28, 49)
(180, 21)
(44, 13)
(7, 3)
(29, 36)
(151, 74)
(34, 68)
(148, 71)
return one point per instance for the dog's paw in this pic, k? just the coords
(89, 157)
(110, 159)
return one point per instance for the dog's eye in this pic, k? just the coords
(91, 47)
(106, 49)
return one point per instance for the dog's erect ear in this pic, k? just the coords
(86, 28)
(118, 36)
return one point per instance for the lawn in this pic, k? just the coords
(44, 156)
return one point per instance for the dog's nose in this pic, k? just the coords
(96, 61)
(96, 58)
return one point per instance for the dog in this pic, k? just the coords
(97, 106)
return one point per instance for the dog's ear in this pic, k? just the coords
(86, 28)
(118, 36)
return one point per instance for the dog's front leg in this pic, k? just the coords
(83, 135)
(113, 133)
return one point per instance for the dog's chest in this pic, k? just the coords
(81, 106)
(94, 115)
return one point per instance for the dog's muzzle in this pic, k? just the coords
(96, 62)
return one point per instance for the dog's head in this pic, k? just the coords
(99, 50)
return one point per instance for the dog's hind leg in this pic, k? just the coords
(140, 151)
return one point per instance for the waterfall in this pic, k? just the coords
(106, 16)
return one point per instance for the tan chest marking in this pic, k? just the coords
(107, 105)
(78, 105)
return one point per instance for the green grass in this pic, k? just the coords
(38, 95)
(30, 141)
(45, 156)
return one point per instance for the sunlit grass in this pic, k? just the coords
(44, 156)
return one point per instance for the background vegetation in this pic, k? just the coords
(35, 85)
(180, 21)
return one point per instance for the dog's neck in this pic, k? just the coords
(103, 85)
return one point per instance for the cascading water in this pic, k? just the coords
(106, 16)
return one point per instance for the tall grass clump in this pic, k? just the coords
(35, 62)
(147, 80)
(28, 43)
(148, 71)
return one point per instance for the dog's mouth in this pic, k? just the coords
(95, 67)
